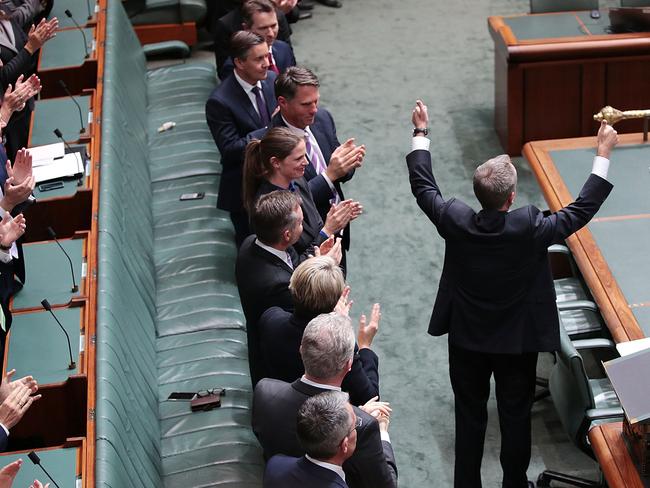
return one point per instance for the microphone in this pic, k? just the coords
(69, 14)
(67, 92)
(48, 307)
(59, 134)
(90, 16)
(52, 235)
(33, 457)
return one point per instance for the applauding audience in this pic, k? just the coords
(327, 351)
(317, 286)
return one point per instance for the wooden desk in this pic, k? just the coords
(613, 456)
(63, 114)
(63, 58)
(612, 250)
(554, 71)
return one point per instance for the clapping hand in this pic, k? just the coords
(40, 34)
(341, 214)
(344, 304)
(7, 385)
(11, 229)
(345, 158)
(376, 408)
(368, 330)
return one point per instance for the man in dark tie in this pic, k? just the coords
(260, 17)
(266, 261)
(327, 351)
(241, 104)
(496, 298)
(327, 429)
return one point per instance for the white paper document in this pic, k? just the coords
(42, 155)
(69, 166)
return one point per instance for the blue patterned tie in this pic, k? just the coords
(261, 106)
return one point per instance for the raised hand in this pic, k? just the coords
(607, 138)
(344, 305)
(376, 408)
(345, 158)
(420, 116)
(367, 331)
(9, 472)
(22, 168)
(40, 34)
(11, 229)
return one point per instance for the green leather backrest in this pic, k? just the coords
(128, 431)
(569, 386)
(541, 6)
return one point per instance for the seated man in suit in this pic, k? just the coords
(327, 430)
(496, 298)
(330, 162)
(327, 351)
(316, 287)
(241, 104)
(232, 21)
(266, 261)
(260, 17)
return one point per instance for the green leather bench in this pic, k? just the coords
(169, 317)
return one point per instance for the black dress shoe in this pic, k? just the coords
(331, 3)
(304, 15)
(304, 5)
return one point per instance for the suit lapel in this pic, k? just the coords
(7, 35)
(305, 389)
(269, 92)
(271, 258)
(242, 100)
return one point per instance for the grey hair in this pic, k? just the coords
(494, 181)
(323, 422)
(327, 345)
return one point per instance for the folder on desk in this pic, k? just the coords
(629, 375)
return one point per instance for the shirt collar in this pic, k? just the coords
(283, 255)
(296, 130)
(246, 85)
(319, 385)
(332, 467)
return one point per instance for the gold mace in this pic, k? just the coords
(612, 115)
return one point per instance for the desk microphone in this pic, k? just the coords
(90, 16)
(52, 235)
(67, 92)
(33, 457)
(48, 307)
(59, 134)
(69, 14)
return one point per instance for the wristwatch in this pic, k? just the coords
(424, 132)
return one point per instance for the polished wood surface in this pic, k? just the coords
(606, 292)
(150, 34)
(549, 88)
(613, 456)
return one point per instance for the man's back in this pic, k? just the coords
(291, 472)
(496, 291)
(275, 410)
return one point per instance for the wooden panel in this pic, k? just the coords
(613, 456)
(552, 102)
(593, 96)
(149, 34)
(628, 88)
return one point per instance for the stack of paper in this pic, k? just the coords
(51, 163)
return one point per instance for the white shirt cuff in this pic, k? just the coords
(600, 167)
(384, 436)
(4, 428)
(329, 183)
(420, 142)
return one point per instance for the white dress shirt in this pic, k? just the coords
(332, 467)
(248, 88)
(283, 255)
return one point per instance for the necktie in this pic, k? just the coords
(313, 156)
(261, 106)
(272, 65)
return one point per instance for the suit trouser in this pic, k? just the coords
(514, 376)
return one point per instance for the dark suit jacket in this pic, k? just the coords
(291, 472)
(263, 282)
(311, 224)
(226, 26)
(231, 118)
(282, 54)
(496, 291)
(275, 409)
(4, 440)
(280, 336)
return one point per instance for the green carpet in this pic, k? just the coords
(374, 58)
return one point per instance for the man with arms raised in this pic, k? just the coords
(496, 298)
